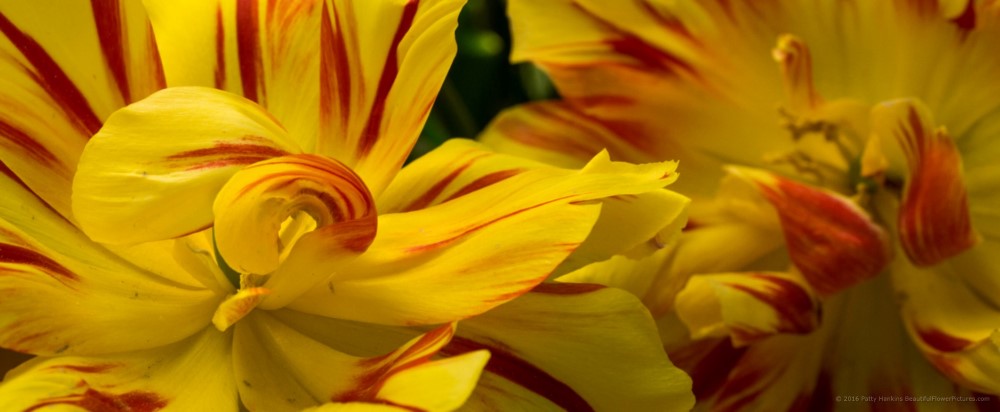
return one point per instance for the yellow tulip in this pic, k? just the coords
(840, 160)
(205, 209)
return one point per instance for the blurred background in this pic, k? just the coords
(482, 82)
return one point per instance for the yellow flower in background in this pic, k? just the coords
(246, 236)
(840, 158)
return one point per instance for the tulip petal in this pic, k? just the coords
(57, 85)
(747, 306)
(153, 171)
(282, 368)
(537, 341)
(950, 311)
(194, 374)
(257, 200)
(455, 169)
(555, 133)
(109, 304)
(265, 51)
(461, 167)
(934, 221)
(468, 255)
(833, 242)
(382, 64)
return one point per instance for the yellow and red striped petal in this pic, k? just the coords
(260, 203)
(537, 342)
(382, 64)
(466, 256)
(460, 167)
(554, 133)
(194, 374)
(950, 311)
(64, 294)
(281, 367)
(153, 170)
(934, 221)
(747, 306)
(833, 242)
(58, 85)
(266, 51)
(455, 169)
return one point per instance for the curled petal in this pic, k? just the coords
(150, 380)
(468, 255)
(832, 241)
(747, 306)
(934, 222)
(155, 167)
(262, 201)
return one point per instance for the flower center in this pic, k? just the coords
(285, 224)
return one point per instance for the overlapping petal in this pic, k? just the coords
(193, 374)
(281, 368)
(458, 258)
(555, 133)
(382, 64)
(950, 311)
(832, 241)
(538, 341)
(107, 304)
(153, 170)
(747, 306)
(265, 51)
(256, 226)
(934, 220)
(56, 86)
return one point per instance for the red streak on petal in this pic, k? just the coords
(796, 310)
(546, 132)
(554, 288)
(157, 63)
(832, 242)
(335, 69)
(51, 77)
(967, 20)
(224, 153)
(513, 368)
(23, 256)
(709, 363)
(368, 384)
(942, 341)
(389, 72)
(435, 245)
(96, 401)
(934, 220)
(101, 368)
(30, 146)
(484, 181)
(434, 191)
(220, 50)
(248, 46)
(108, 17)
